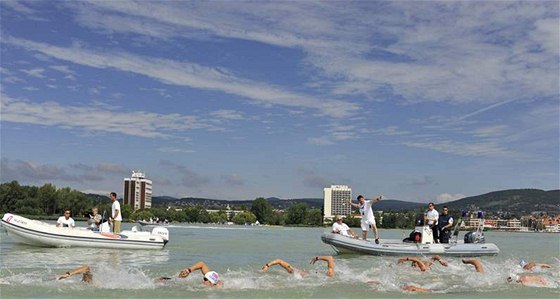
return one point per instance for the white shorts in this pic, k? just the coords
(367, 223)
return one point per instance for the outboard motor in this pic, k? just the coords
(473, 237)
(161, 231)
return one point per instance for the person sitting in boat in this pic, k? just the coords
(87, 277)
(66, 220)
(477, 265)
(444, 223)
(423, 266)
(431, 219)
(284, 265)
(529, 266)
(210, 278)
(339, 227)
(94, 219)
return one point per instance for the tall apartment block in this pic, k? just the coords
(335, 201)
(138, 191)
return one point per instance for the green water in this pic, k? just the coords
(238, 253)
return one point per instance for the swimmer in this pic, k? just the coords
(529, 266)
(284, 265)
(210, 278)
(87, 277)
(411, 288)
(528, 280)
(330, 263)
(477, 265)
(424, 266)
(416, 262)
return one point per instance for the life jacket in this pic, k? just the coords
(443, 220)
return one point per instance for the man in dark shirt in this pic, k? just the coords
(445, 222)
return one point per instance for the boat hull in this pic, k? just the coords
(343, 244)
(37, 233)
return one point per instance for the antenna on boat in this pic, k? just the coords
(455, 232)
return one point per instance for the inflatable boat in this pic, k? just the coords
(473, 245)
(38, 233)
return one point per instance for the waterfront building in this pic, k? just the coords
(138, 191)
(335, 201)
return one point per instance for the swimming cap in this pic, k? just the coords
(513, 277)
(522, 263)
(212, 277)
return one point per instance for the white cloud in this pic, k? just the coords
(488, 148)
(453, 51)
(190, 75)
(36, 72)
(135, 123)
(446, 197)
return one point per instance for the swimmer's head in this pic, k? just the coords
(212, 277)
(522, 263)
(512, 277)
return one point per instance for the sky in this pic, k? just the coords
(419, 101)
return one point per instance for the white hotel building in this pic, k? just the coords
(138, 191)
(335, 201)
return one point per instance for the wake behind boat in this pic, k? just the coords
(38, 233)
(152, 223)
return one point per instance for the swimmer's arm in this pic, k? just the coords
(198, 266)
(279, 262)
(477, 265)
(79, 270)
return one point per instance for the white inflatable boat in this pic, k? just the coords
(38, 233)
(475, 245)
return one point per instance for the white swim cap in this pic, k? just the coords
(513, 277)
(522, 263)
(212, 277)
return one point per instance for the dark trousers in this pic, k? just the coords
(444, 236)
(435, 233)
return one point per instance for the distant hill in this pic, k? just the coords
(514, 201)
(276, 203)
(506, 202)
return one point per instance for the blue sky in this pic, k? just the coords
(419, 101)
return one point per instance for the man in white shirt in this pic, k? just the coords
(431, 219)
(342, 228)
(116, 213)
(368, 220)
(66, 220)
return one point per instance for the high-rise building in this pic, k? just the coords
(335, 201)
(138, 191)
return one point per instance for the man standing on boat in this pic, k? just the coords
(368, 220)
(431, 219)
(445, 222)
(116, 213)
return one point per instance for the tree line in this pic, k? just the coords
(48, 202)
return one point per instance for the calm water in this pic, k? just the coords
(238, 253)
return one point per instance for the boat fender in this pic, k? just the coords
(162, 232)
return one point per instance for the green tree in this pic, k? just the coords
(10, 194)
(296, 214)
(262, 209)
(315, 217)
(47, 197)
(244, 218)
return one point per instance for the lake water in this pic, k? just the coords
(238, 253)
